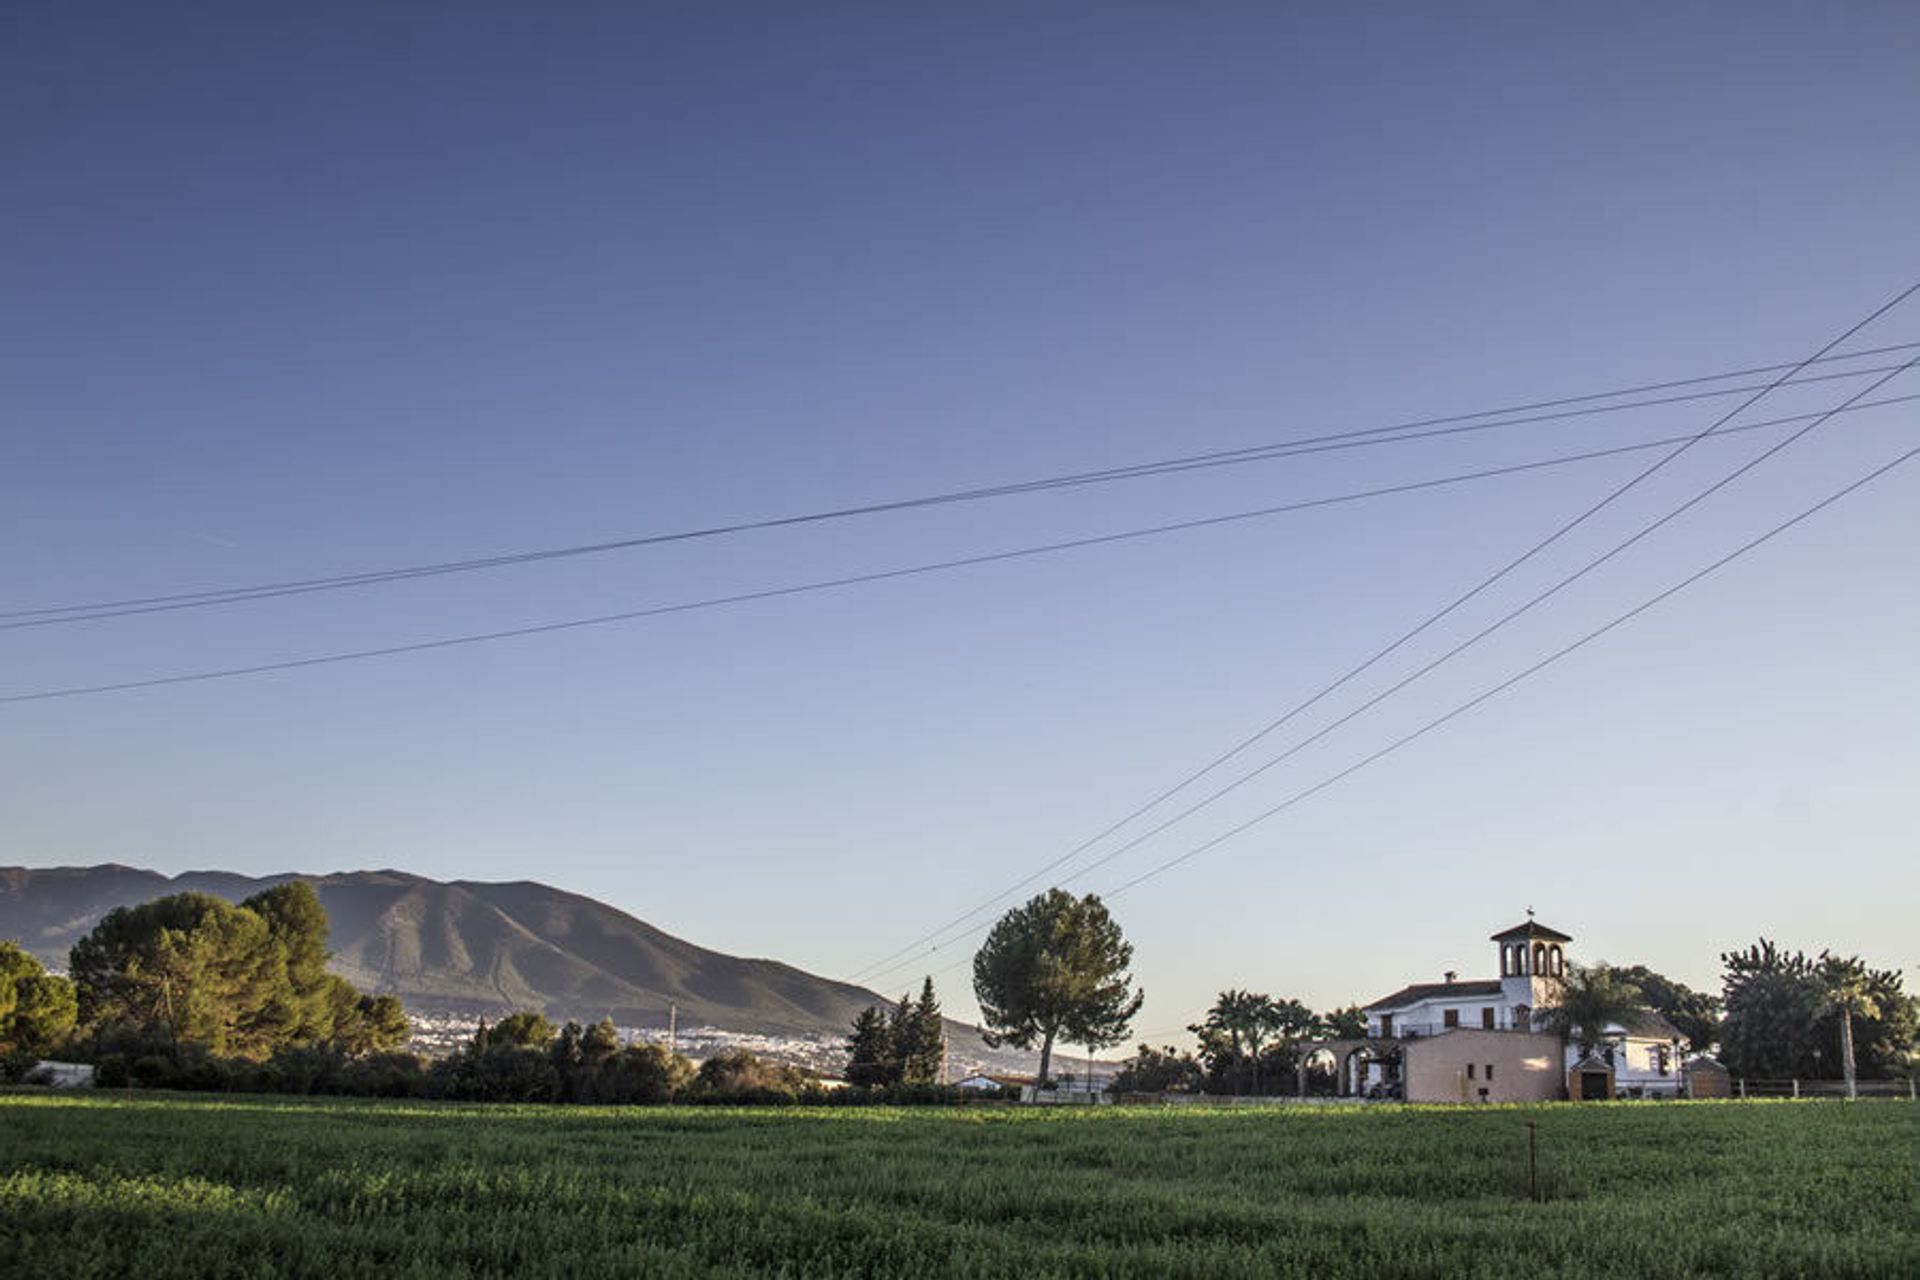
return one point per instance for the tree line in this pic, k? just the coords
(196, 976)
(193, 992)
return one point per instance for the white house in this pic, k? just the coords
(1477, 1040)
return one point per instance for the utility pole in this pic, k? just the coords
(673, 1027)
(946, 1059)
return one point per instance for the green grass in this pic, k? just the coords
(165, 1187)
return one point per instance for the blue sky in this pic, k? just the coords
(299, 294)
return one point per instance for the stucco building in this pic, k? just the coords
(1478, 1040)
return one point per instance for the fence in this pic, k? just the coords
(1743, 1088)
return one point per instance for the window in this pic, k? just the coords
(1386, 1026)
(1486, 1018)
(1450, 1018)
(1469, 1071)
(1489, 1073)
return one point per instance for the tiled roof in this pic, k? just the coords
(1427, 990)
(1529, 931)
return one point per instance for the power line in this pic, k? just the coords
(1445, 611)
(1486, 631)
(1422, 429)
(878, 576)
(1525, 674)
(1463, 708)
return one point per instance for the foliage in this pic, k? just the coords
(37, 1009)
(904, 1045)
(243, 981)
(99, 1188)
(1585, 1000)
(735, 1075)
(1784, 1016)
(1349, 1023)
(1055, 968)
(1233, 1042)
(1164, 1070)
(523, 1030)
(870, 1050)
(1695, 1014)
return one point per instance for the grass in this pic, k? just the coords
(169, 1187)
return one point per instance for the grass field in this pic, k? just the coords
(163, 1187)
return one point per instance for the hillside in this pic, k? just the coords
(470, 947)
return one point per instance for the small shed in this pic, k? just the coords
(1590, 1080)
(1707, 1078)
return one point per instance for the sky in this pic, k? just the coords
(302, 293)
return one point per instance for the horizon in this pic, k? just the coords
(299, 296)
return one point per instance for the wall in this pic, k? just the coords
(1527, 1067)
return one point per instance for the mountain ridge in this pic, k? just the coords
(468, 946)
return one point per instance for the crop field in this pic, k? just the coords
(164, 1187)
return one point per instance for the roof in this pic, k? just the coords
(1428, 990)
(1650, 1025)
(1530, 931)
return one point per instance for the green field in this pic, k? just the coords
(159, 1187)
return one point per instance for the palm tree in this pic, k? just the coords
(1847, 990)
(1586, 1001)
(1239, 1016)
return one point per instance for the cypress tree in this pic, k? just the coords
(924, 1052)
(868, 1049)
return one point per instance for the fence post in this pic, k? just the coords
(1796, 1088)
(1743, 1088)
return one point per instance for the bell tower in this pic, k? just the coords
(1531, 961)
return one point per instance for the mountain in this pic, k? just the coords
(470, 947)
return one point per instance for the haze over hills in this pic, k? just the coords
(466, 946)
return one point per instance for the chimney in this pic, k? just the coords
(1451, 975)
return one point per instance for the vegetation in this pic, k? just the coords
(1588, 999)
(1055, 968)
(1164, 1070)
(1789, 1016)
(1233, 1041)
(907, 1046)
(247, 981)
(37, 1009)
(166, 1189)
(1694, 1014)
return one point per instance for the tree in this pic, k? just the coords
(1586, 1000)
(1695, 1014)
(37, 1009)
(870, 1049)
(1159, 1071)
(1349, 1023)
(1849, 994)
(524, 1030)
(737, 1075)
(1783, 1020)
(599, 1044)
(1055, 967)
(191, 966)
(920, 1046)
(238, 980)
(383, 1025)
(1773, 999)
(1234, 1036)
